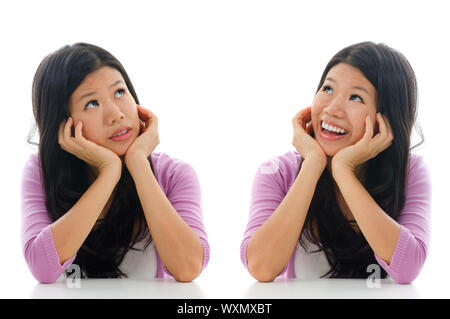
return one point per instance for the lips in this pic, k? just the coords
(120, 130)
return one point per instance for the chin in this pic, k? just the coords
(330, 151)
(120, 151)
(331, 154)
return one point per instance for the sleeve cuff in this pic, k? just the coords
(52, 255)
(244, 251)
(206, 252)
(394, 268)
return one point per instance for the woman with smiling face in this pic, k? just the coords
(97, 194)
(352, 196)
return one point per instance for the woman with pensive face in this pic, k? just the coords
(104, 187)
(119, 108)
(349, 193)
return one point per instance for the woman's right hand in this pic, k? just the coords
(95, 155)
(303, 141)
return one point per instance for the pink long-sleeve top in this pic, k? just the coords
(275, 177)
(177, 179)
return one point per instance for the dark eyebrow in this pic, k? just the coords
(355, 87)
(92, 93)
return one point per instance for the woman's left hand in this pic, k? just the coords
(367, 147)
(148, 137)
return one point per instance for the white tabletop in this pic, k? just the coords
(228, 289)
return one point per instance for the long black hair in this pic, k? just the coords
(347, 250)
(65, 177)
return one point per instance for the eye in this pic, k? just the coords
(328, 89)
(93, 102)
(119, 92)
(356, 98)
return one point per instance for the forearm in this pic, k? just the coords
(178, 245)
(379, 229)
(70, 230)
(272, 244)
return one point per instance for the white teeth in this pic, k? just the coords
(332, 128)
(118, 134)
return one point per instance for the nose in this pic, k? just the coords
(113, 113)
(335, 107)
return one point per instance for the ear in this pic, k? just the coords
(309, 128)
(376, 127)
(141, 127)
(72, 128)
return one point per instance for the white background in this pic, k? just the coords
(225, 79)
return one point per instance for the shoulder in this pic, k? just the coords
(418, 185)
(32, 189)
(282, 169)
(165, 164)
(417, 163)
(31, 169)
(282, 164)
(418, 171)
(32, 162)
(168, 170)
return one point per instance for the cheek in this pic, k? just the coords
(90, 129)
(134, 116)
(358, 133)
(319, 102)
(92, 135)
(359, 126)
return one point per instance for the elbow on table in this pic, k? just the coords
(42, 274)
(262, 276)
(187, 273)
(261, 273)
(38, 267)
(186, 276)
(45, 279)
(412, 264)
(406, 277)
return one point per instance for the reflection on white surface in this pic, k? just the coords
(119, 288)
(330, 289)
(279, 289)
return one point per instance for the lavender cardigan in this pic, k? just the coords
(275, 177)
(177, 179)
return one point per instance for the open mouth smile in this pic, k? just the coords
(331, 132)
